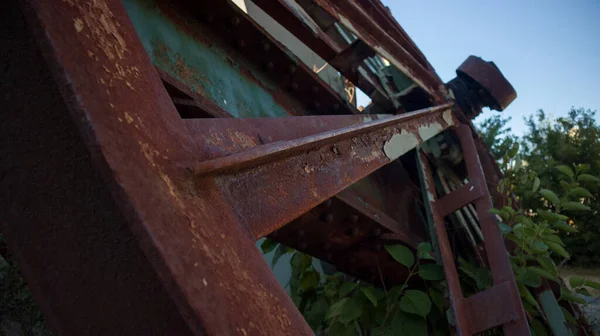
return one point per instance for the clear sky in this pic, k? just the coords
(549, 50)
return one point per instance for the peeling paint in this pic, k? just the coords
(427, 132)
(447, 115)
(399, 144)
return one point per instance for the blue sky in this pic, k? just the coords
(549, 50)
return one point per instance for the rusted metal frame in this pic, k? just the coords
(399, 233)
(202, 102)
(323, 45)
(229, 22)
(353, 17)
(459, 305)
(206, 261)
(459, 198)
(384, 18)
(314, 167)
(494, 244)
(491, 308)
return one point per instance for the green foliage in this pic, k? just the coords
(340, 305)
(17, 306)
(538, 234)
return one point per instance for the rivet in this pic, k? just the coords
(354, 231)
(315, 89)
(241, 43)
(235, 21)
(327, 217)
(294, 86)
(302, 246)
(336, 107)
(327, 246)
(377, 247)
(292, 69)
(209, 17)
(376, 232)
(352, 260)
(329, 256)
(316, 104)
(327, 203)
(266, 46)
(300, 233)
(354, 218)
(270, 65)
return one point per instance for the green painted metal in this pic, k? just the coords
(556, 319)
(205, 67)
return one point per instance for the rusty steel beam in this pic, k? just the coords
(319, 42)
(491, 308)
(195, 255)
(494, 245)
(459, 198)
(289, 178)
(353, 17)
(231, 24)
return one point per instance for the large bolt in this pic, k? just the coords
(327, 217)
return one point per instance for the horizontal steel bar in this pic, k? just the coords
(457, 199)
(264, 153)
(288, 178)
(491, 307)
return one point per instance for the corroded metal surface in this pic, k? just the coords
(288, 178)
(491, 80)
(192, 240)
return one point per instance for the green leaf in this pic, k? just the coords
(406, 324)
(310, 280)
(562, 225)
(565, 170)
(268, 245)
(582, 168)
(424, 251)
(576, 281)
(316, 314)
(513, 150)
(548, 215)
(336, 308)
(584, 291)
(504, 228)
(592, 284)
(538, 328)
(346, 288)
(370, 294)
(394, 294)
(579, 192)
(568, 316)
(541, 272)
(536, 184)
(432, 272)
(538, 246)
(436, 297)
(526, 295)
(575, 206)
(339, 329)
(415, 302)
(351, 311)
(280, 251)
(301, 261)
(547, 263)
(558, 249)
(529, 278)
(566, 294)
(588, 178)
(550, 196)
(401, 254)
(552, 238)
